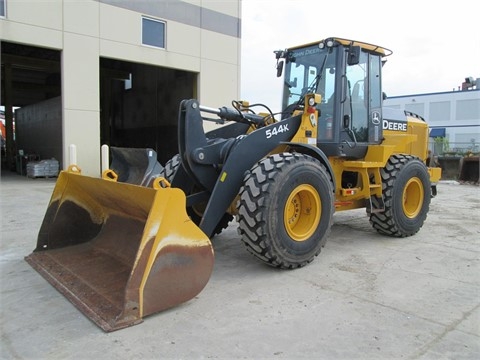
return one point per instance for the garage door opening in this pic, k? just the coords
(139, 105)
(31, 76)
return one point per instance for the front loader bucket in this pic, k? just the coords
(120, 252)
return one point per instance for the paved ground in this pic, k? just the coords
(365, 297)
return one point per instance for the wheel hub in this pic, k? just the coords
(413, 195)
(302, 212)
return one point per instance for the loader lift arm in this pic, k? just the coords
(217, 166)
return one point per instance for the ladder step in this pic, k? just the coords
(380, 205)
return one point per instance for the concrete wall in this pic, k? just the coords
(39, 129)
(201, 37)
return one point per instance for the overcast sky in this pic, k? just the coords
(435, 45)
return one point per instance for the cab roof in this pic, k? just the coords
(346, 42)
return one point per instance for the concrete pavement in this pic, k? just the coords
(366, 296)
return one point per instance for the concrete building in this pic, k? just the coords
(453, 116)
(113, 72)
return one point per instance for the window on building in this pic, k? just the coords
(439, 110)
(153, 32)
(2, 8)
(467, 109)
(418, 109)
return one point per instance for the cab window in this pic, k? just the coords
(357, 81)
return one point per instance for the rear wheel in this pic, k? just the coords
(406, 192)
(194, 212)
(285, 209)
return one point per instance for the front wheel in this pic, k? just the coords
(285, 209)
(406, 192)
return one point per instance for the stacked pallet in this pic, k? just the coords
(43, 168)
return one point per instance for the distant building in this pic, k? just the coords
(452, 115)
(95, 72)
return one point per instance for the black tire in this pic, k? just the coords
(170, 168)
(195, 212)
(285, 209)
(406, 194)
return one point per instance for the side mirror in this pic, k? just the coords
(279, 68)
(353, 55)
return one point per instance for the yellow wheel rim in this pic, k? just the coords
(302, 212)
(413, 196)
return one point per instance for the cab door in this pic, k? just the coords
(361, 106)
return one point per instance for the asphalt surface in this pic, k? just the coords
(366, 296)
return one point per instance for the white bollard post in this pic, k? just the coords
(72, 152)
(105, 158)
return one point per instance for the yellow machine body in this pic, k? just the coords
(413, 141)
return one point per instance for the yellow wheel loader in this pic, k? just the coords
(123, 247)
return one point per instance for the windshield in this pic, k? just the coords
(309, 69)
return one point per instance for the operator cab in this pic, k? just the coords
(347, 75)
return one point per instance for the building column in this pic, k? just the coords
(81, 101)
